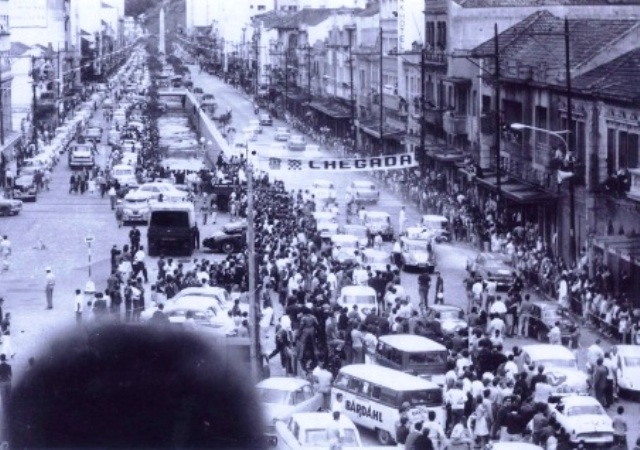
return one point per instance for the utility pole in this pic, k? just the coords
(308, 49)
(255, 49)
(382, 146)
(352, 101)
(570, 144)
(423, 106)
(35, 105)
(254, 305)
(496, 58)
(286, 78)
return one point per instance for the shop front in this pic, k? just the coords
(621, 254)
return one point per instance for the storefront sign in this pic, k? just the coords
(28, 13)
(387, 162)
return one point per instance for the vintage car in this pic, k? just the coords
(256, 125)
(309, 430)
(265, 119)
(282, 134)
(230, 239)
(492, 267)
(544, 316)
(323, 191)
(134, 207)
(378, 222)
(628, 370)
(512, 446)
(363, 296)
(344, 248)
(24, 188)
(418, 234)
(560, 366)
(439, 225)
(9, 207)
(93, 134)
(362, 191)
(281, 397)
(447, 319)
(376, 259)
(297, 142)
(417, 254)
(153, 190)
(360, 231)
(585, 420)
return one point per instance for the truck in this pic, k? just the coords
(171, 228)
(81, 156)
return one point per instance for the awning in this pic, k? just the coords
(627, 248)
(372, 128)
(516, 190)
(296, 96)
(447, 156)
(332, 109)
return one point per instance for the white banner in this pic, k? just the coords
(387, 162)
(28, 14)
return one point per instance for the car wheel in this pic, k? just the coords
(5, 212)
(227, 248)
(384, 437)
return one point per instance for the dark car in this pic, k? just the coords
(492, 267)
(24, 188)
(265, 119)
(443, 322)
(230, 239)
(543, 317)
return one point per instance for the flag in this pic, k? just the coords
(562, 175)
(295, 164)
(275, 163)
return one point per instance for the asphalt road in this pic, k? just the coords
(62, 221)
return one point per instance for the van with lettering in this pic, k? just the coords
(372, 396)
(416, 355)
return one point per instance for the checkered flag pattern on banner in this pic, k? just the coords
(295, 164)
(275, 163)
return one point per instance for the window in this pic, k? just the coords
(431, 34)
(384, 395)
(611, 151)
(262, 8)
(342, 381)
(441, 41)
(354, 385)
(627, 150)
(486, 104)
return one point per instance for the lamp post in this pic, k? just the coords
(572, 200)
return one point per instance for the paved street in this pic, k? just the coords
(62, 221)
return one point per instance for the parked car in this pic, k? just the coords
(297, 142)
(230, 239)
(9, 207)
(281, 397)
(360, 231)
(628, 370)
(362, 191)
(417, 254)
(24, 188)
(378, 222)
(282, 134)
(492, 267)
(376, 259)
(544, 316)
(309, 430)
(265, 119)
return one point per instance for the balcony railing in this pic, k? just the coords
(455, 124)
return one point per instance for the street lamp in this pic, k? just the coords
(572, 200)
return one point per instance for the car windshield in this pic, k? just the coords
(365, 187)
(416, 246)
(319, 438)
(449, 315)
(426, 397)
(582, 410)
(135, 200)
(273, 396)
(380, 259)
(428, 358)
(360, 299)
(552, 315)
(176, 219)
(558, 363)
(357, 231)
(377, 219)
(631, 361)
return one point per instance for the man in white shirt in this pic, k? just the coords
(496, 323)
(139, 265)
(402, 220)
(78, 306)
(5, 252)
(555, 336)
(594, 352)
(322, 379)
(360, 276)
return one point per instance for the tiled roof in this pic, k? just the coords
(539, 3)
(272, 18)
(18, 48)
(105, 5)
(371, 10)
(616, 79)
(311, 17)
(538, 40)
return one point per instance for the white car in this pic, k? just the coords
(323, 191)
(560, 366)
(344, 247)
(297, 142)
(208, 313)
(255, 124)
(628, 369)
(326, 223)
(363, 296)
(309, 430)
(585, 419)
(282, 134)
(360, 231)
(363, 191)
(168, 191)
(134, 207)
(281, 397)
(376, 259)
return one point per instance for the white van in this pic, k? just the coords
(125, 174)
(372, 396)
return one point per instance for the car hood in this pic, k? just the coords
(566, 377)
(589, 423)
(273, 411)
(631, 375)
(453, 325)
(217, 235)
(419, 256)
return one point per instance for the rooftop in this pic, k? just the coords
(616, 80)
(538, 41)
(18, 48)
(310, 16)
(540, 3)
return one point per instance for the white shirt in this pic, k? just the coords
(5, 247)
(498, 307)
(79, 301)
(496, 324)
(139, 256)
(267, 316)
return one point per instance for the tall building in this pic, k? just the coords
(8, 138)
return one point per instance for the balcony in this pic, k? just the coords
(436, 58)
(434, 116)
(454, 124)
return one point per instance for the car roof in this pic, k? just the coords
(377, 214)
(421, 242)
(363, 183)
(340, 238)
(411, 343)
(578, 400)
(320, 420)
(445, 308)
(433, 217)
(385, 376)
(628, 350)
(283, 383)
(375, 252)
(514, 446)
(357, 289)
(135, 195)
(547, 351)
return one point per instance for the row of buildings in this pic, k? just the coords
(50, 53)
(534, 103)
